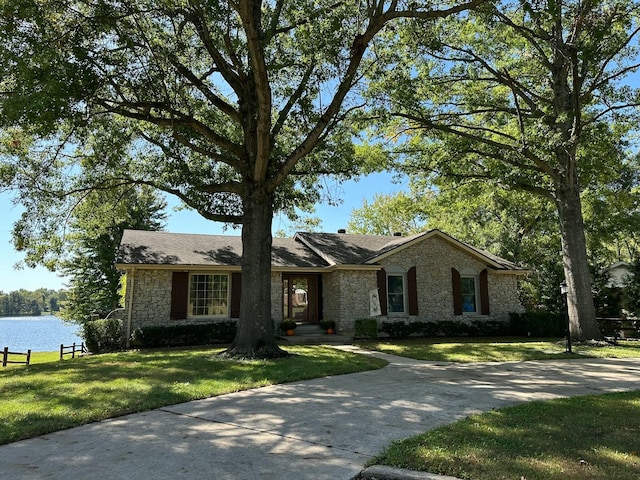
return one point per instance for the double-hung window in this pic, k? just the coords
(396, 293)
(469, 296)
(209, 295)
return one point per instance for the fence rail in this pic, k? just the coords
(620, 328)
(6, 353)
(72, 350)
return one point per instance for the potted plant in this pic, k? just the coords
(328, 326)
(288, 327)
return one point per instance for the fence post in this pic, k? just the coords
(28, 356)
(5, 355)
(61, 351)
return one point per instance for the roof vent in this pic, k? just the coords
(342, 230)
(397, 234)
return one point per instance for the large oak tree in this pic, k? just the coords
(233, 106)
(525, 95)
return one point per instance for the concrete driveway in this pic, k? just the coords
(319, 429)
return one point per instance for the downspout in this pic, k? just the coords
(132, 285)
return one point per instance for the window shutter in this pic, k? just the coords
(457, 291)
(412, 287)
(179, 295)
(484, 292)
(236, 291)
(382, 291)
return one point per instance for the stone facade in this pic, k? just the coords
(346, 292)
(346, 296)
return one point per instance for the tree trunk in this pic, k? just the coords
(582, 314)
(255, 337)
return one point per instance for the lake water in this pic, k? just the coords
(40, 334)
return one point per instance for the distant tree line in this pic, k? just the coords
(25, 302)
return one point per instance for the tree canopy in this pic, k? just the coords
(521, 95)
(234, 107)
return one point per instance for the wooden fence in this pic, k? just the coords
(620, 328)
(72, 350)
(6, 353)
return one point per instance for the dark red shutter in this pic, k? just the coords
(382, 291)
(412, 287)
(236, 290)
(179, 295)
(484, 292)
(456, 288)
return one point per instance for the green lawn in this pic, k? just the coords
(497, 350)
(586, 438)
(51, 395)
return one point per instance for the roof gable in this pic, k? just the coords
(305, 250)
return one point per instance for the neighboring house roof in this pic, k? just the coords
(305, 250)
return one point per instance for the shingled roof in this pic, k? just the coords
(163, 248)
(305, 250)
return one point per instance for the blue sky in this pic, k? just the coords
(352, 193)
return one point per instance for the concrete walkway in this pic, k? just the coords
(319, 429)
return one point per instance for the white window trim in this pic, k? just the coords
(395, 271)
(476, 284)
(190, 315)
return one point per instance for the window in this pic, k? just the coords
(395, 293)
(468, 291)
(209, 295)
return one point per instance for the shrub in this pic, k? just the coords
(366, 328)
(424, 329)
(489, 328)
(288, 325)
(398, 329)
(537, 324)
(103, 336)
(186, 335)
(327, 324)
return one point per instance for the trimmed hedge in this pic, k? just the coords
(185, 335)
(366, 328)
(538, 324)
(102, 336)
(445, 328)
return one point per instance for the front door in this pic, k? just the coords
(301, 297)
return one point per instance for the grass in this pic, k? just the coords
(586, 438)
(51, 395)
(497, 350)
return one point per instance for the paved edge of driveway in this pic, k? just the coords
(382, 472)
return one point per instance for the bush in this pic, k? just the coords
(537, 324)
(398, 329)
(424, 329)
(288, 325)
(327, 324)
(103, 336)
(366, 328)
(186, 335)
(489, 328)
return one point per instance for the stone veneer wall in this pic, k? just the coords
(346, 297)
(152, 299)
(346, 293)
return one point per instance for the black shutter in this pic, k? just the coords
(484, 292)
(179, 295)
(382, 291)
(456, 288)
(236, 291)
(412, 287)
